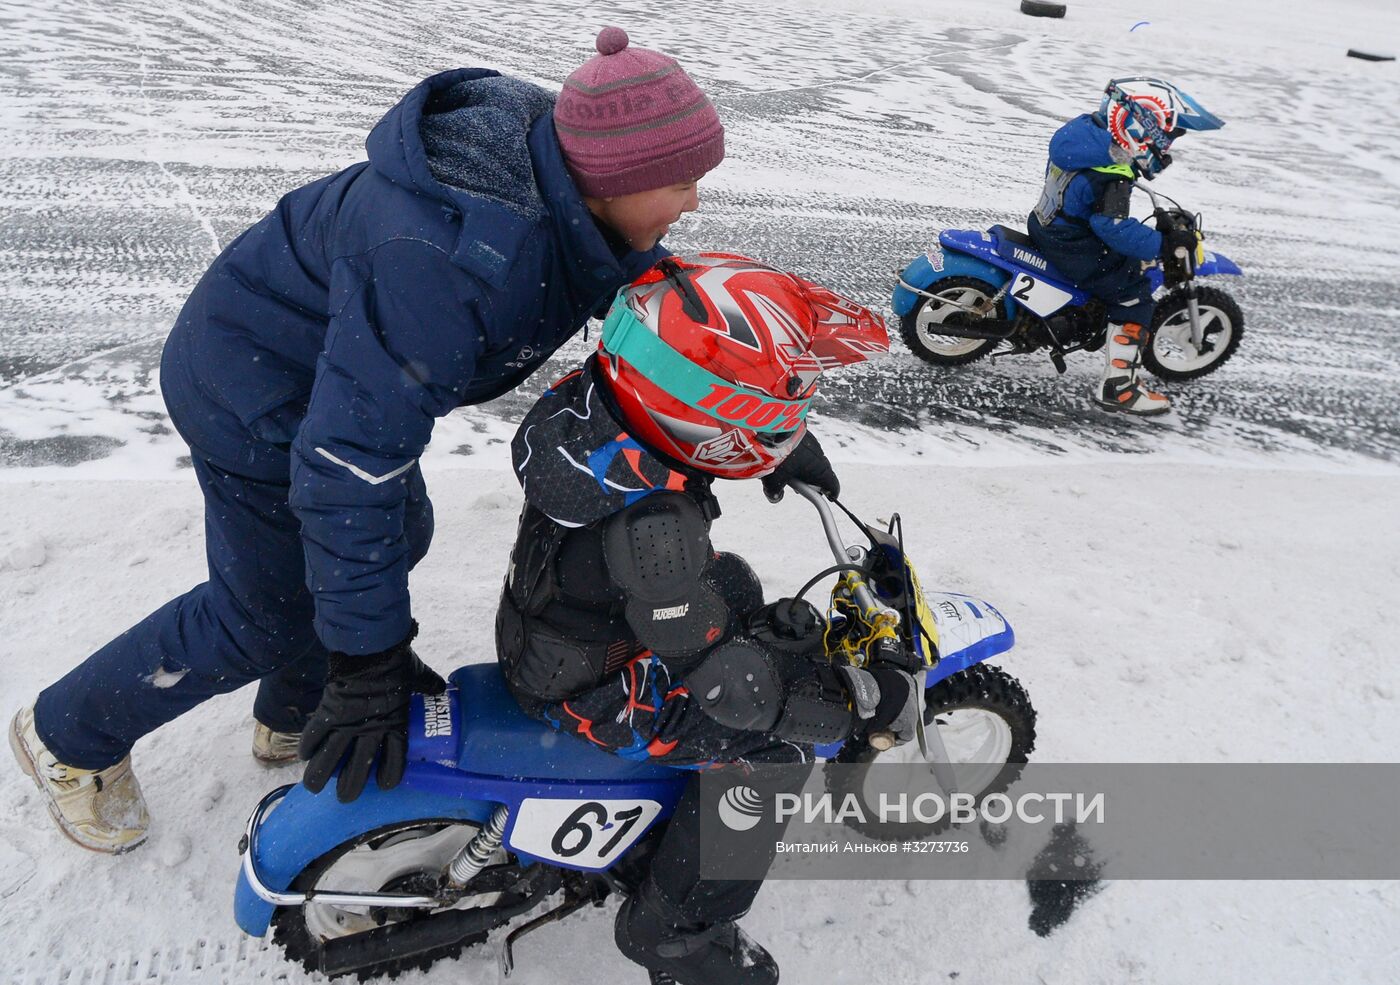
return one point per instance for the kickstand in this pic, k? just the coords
(558, 913)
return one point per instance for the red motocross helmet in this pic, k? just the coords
(713, 359)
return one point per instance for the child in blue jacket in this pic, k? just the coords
(306, 371)
(1084, 226)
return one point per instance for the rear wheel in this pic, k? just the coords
(987, 725)
(1172, 356)
(949, 306)
(399, 858)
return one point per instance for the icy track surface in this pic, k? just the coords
(142, 137)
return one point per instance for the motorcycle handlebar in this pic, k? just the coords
(864, 597)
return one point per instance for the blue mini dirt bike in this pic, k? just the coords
(497, 812)
(976, 293)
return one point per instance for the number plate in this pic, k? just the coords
(586, 834)
(1042, 298)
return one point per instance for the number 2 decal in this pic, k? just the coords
(587, 834)
(1042, 298)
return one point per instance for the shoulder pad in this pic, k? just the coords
(656, 550)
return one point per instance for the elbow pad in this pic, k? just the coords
(740, 685)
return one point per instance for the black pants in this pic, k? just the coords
(675, 868)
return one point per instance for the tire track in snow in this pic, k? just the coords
(205, 962)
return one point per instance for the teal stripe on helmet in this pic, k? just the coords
(693, 385)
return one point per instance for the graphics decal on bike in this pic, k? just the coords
(963, 622)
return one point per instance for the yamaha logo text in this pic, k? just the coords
(1029, 258)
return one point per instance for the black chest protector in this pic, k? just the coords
(571, 615)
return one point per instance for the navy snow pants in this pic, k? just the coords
(1118, 281)
(251, 621)
(1114, 278)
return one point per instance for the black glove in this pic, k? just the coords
(894, 706)
(363, 714)
(805, 463)
(886, 699)
(1175, 235)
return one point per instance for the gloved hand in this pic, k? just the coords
(886, 699)
(893, 665)
(805, 463)
(363, 715)
(1177, 235)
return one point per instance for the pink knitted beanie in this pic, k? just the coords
(630, 120)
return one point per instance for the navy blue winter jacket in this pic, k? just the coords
(324, 342)
(1081, 227)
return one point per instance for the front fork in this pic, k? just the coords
(931, 745)
(934, 751)
(1193, 307)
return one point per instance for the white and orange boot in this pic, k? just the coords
(102, 810)
(1120, 389)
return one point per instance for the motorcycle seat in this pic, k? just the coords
(1020, 249)
(1008, 235)
(499, 739)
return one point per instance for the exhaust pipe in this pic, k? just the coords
(1001, 331)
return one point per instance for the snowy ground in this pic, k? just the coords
(1255, 531)
(1265, 637)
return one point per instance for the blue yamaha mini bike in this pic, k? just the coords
(976, 293)
(498, 814)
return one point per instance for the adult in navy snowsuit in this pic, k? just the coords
(622, 625)
(306, 372)
(1083, 221)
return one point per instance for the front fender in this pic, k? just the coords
(1217, 263)
(969, 632)
(1213, 265)
(304, 826)
(928, 268)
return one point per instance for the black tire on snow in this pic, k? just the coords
(1042, 8)
(1369, 56)
(1174, 304)
(289, 930)
(980, 686)
(909, 325)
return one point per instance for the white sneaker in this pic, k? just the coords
(274, 748)
(102, 810)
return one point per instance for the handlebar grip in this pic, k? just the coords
(882, 741)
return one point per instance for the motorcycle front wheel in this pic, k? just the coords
(987, 724)
(948, 305)
(1172, 356)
